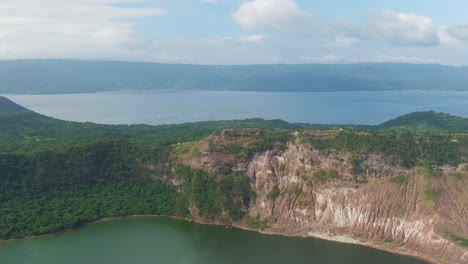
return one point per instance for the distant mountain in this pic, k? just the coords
(10, 106)
(74, 76)
(427, 121)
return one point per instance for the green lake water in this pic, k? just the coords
(162, 240)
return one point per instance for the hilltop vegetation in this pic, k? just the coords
(402, 149)
(27, 132)
(72, 76)
(426, 122)
(8, 106)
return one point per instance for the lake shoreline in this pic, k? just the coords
(349, 240)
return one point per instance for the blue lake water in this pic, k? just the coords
(190, 106)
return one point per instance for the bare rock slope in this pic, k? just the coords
(307, 191)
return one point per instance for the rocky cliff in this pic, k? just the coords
(308, 190)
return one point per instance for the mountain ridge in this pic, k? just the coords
(6, 105)
(77, 76)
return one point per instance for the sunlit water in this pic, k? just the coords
(163, 240)
(190, 106)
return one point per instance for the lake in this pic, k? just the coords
(367, 108)
(163, 240)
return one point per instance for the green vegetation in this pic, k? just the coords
(401, 148)
(27, 132)
(274, 193)
(256, 223)
(427, 121)
(460, 240)
(212, 195)
(400, 179)
(389, 242)
(267, 140)
(326, 175)
(429, 170)
(56, 175)
(9, 106)
(53, 191)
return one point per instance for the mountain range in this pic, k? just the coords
(76, 76)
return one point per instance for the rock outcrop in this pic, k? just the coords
(302, 190)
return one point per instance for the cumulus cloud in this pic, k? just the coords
(403, 29)
(459, 32)
(282, 16)
(96, 29)
(285, 16)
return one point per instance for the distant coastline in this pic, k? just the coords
(157, 91)
(78, 76)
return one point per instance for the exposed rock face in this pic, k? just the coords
(417, 212)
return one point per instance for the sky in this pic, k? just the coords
(236, 31)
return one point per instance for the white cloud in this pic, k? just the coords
(282, 16)
(280, 32)
(403, 29)
(459, 32)
(91, 29)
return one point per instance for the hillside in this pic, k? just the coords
(72, 76)
(6, 105)
(395, 190)
(427, 121)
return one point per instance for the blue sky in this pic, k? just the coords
(236, 31)
(194, 17)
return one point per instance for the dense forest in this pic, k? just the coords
(56, 175)
(57, 190)
(402, 148)
(427, 122)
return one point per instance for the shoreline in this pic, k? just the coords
(349, 240)
(344, 239)
(175, 90)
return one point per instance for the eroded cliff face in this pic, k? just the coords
(301, 190)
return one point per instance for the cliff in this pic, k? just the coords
(302, 189)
